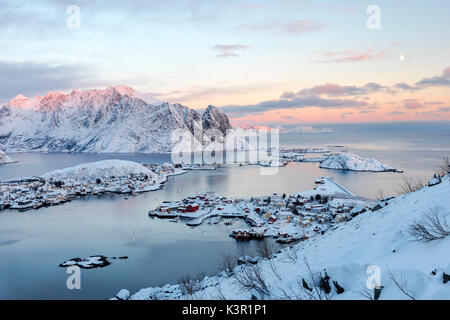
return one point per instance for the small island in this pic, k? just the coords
(4, 158)
(352, 162)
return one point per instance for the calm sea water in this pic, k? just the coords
(32, 244)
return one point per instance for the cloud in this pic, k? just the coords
(209, 93)
(295, 103)
(349, 56)
(406, 87)
(229, 50)
(334, 96)
(30, 78)
(345, 114)
(433, 103)
(309, 129)
(367, 111)
(444, 109)
(396, 113)
(337, 90)
(306, 129)
(14, 14)
(412, 104)
(281, 26)
(438, 81)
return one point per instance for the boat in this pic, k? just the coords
(286, 239)
(38, 205)
(194, 222)
(25, 208)
(167, 214)
(241, 235)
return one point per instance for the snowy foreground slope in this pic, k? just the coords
(352, 254)
(93, 170)
(349, 161)
(114, 120)
(4, 158)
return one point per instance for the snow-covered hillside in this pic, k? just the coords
(349, 161)
(100, 169)
(107, 121)
(375, 248)
(4, 158)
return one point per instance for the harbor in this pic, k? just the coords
(287, 218)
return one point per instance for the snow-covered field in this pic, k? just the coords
(373, 254)
(349, 161)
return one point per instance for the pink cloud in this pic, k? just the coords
(303, 26)
(413, 105)
(329, 88)
(293, 27)
(229, 50)
(447, 71)
(351, 55)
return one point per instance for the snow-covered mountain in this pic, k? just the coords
(101, 121)
(349, 161)
(4, 158)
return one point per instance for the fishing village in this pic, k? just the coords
(61, 186)
(285, 218)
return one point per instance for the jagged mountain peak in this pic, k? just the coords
(213, 117)
(19, 101)
(55, 99)
(123, 90)
(106, 120)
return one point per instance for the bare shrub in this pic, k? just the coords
(401, 284)
(365, 292)
(309, 287)
(380, 195)
(220, 295)
(315, 287)
(291, 254)
(408, 186)
(444, 168)
(290, 294)
(266, 249)
(274, 269)
(227, 264)
(250, 278)
(190, 285)
(431, 227)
